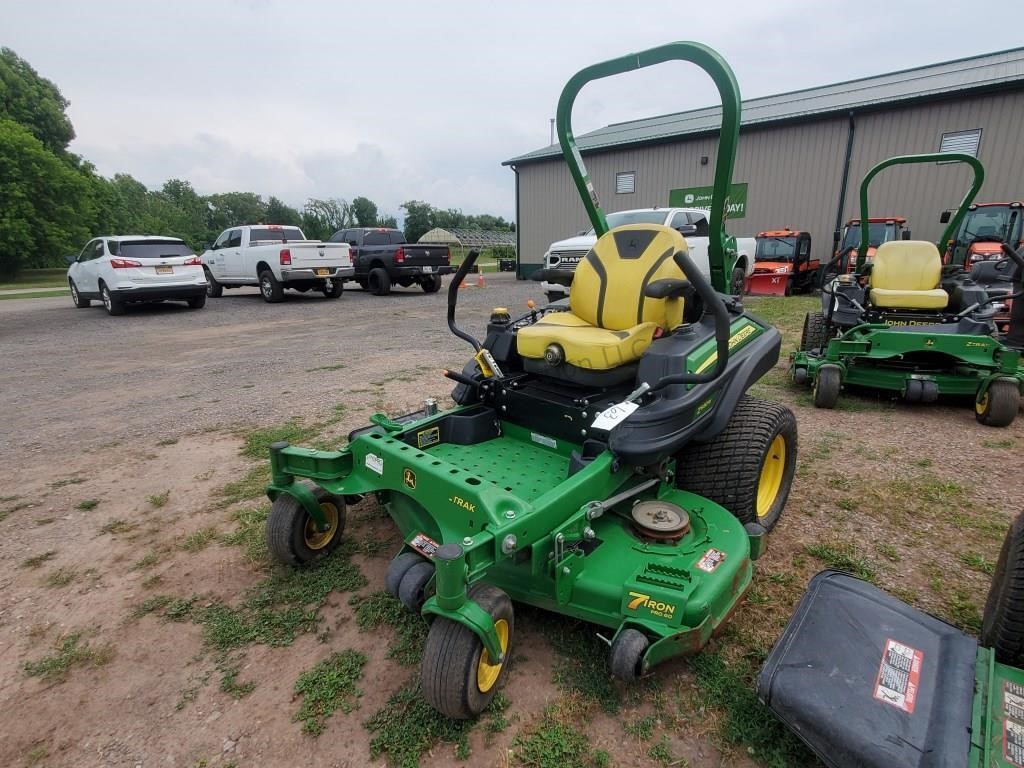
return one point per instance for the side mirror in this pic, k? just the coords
(905, 235)
(687, 229)
(71, 258)
(944, 217)
(581, 233)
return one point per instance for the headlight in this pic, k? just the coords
(781, 270)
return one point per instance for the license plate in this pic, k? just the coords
(164, 270)
(427, 270)
(323, 272)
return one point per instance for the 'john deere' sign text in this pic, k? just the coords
(700, 197)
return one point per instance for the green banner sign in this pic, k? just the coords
(700, 197)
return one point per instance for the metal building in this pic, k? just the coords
(801, 155)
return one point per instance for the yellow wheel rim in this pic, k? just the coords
(981, 405)
(487, 673)
(772, 470)
(319, 539)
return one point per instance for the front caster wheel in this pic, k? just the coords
(827, 384)
(397, 568)
(458, 677)
(627, 656)
(292, 535)
(412, 589)
(998, 406)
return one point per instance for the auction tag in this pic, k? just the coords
(612, 417)
(710, 560)
(899, 676)
(375, 463)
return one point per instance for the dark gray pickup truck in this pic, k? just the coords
(383, 258)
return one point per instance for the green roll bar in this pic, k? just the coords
(931, 157)
(723, 77)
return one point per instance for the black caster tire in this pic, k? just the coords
(800, 376)
(412, 589)
(271, 290)
(748, 468)
(379, 282)
(431, 284)
(197, 302)
(913, 391)
(1002, 626)
(457, 678)
(213, 289)
(627, 655)
(827, 385)
(76, 298)
(397, 568)
(292, 537)
(998, 407)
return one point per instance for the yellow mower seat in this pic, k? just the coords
(905, 275)
(610, 322)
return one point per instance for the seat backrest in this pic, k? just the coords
(906, 265)
(608, 288)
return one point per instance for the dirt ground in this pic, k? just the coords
(121, 438)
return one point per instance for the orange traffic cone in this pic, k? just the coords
(480, 279)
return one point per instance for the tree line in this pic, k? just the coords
(52, 201)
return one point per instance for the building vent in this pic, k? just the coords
(625, 183)
(965, 142)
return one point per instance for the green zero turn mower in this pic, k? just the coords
(867, 681)
(907, 325)
(603, 459)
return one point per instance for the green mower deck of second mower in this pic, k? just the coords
(941, 341)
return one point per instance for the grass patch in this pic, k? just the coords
(843, 557)
(35, 294)
(328, 687)
(576, 671)
(148, 560)
(229, 669)
(997, 443)
(66, 481)
(888, 551)
(978, 562)
(553, 743)
(964, 612)
(251, 485)
(117, 526)
(335, 367)
(730, 688)
(158, 500)
(642, 728)
(37, 560)
(167, 441)
(257, 441)
(382, 609)
(88, 504)
(199, 540)
(154, 604)
(35, 756)
(250, 534)
(70, 652)
(661, 752)
(61, 577)
(45, 277)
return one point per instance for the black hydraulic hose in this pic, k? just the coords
(713, 303)
(453, 297)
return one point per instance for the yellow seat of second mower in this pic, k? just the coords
(905, 275)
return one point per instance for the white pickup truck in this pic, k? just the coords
(566, 254)
(274, 258)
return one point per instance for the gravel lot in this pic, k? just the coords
(165, 370)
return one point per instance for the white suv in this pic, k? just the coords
(131, 268)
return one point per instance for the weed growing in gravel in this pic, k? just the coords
(335, 367)
(257, 441)
(843, 557)
(158, 500)
(88, 504)
(41, 521)
(642, 728)
(554, 743)
(251, 485)
(888, 551)
(661, 752)
(118, 526)
(978, 562)
(229, 669)
(199, 540)
(70, 652)
(997, 443)
(963, 611)
(167, 441)
(61, 577)
(250, 533)
(410, 631)
(66, 481)
(37, 560)
(36, 755)
(328, 687)
(154, 604)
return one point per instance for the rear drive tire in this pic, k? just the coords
(827, 385)
(998, 406)
(270, 288)
(1002, 626)
(76, 297)
(815, 333)
(292, 537)
(379, 282)
(748, 468)
(457, 677)
(627, 655)
(113, 305)
(197, 302)
(213, 289)
(334, 292)
(431, 284)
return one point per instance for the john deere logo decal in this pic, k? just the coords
(656, 607)
(409, 478)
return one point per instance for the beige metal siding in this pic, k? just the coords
(794, 172)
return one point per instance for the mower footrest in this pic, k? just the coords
(869, 682)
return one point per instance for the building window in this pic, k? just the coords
(625, 183)
(965, 142)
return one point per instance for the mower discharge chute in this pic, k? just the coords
(603, 460)
(905, 324)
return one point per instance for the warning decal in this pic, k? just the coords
(899, 675)
(428, 437)
(424, 544)
(1013, 724)
(710, 560)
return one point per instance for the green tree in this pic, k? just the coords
(279, 213)
(232, 209)
(418, 219)
(387, 220)
(44, 202)
(364, 211)
(188, 212)
(34, 102)
(322, 218)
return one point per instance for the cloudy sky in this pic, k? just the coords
(423, 100)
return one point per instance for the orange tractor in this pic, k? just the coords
(881, 229)
(783, 263)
